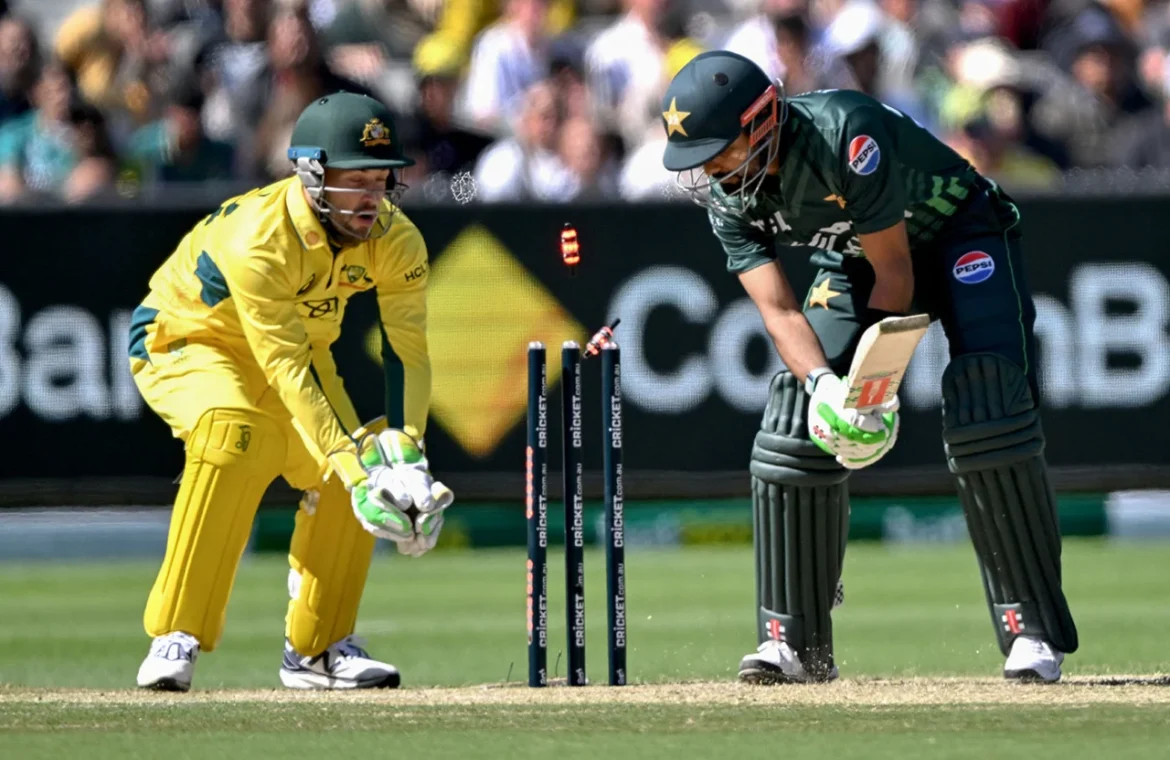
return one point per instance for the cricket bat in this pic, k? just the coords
(881, 360)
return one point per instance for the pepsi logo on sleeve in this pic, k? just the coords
(974, 267)
(864, 155)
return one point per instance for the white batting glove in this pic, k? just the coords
(855, 439)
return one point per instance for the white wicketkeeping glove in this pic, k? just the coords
(400, 500)
(854, 438)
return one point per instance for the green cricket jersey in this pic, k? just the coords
(849, 165)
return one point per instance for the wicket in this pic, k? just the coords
(536, 502)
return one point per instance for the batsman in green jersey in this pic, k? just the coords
(898, 223)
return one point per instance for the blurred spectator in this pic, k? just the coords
(1148, 145)
(175, 147)
(96, 163)
(194, 90)
(878, 56)
(643, 177)
(992, 140)
(1020, 22)
(296, 75)
(1092, 118)
(438, 145)
(365, 32)
(112, 53)
(234, 61)
(373, 41)
(509, 57)
(20, 61)
(793, 45)
(167, 14)
(592, 175)
(37, 149)
(1146, 142)
(567, 73)
(374, 29)
(755, 38)
(630, 64)
(526, 166)
(461, 21)
(627, 60)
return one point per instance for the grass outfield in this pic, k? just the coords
(915, 647)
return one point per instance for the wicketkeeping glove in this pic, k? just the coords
(399, 499)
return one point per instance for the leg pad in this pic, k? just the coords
(232, 456)
(800, 510)
(994, 444)
(329, 559)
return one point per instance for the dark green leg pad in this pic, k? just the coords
(800, 512)
(995, 448)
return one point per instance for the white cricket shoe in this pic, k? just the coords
(170, 663)
(344, 665)
(775, 662)
(1033, 659)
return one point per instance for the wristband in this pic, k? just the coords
(810, 380)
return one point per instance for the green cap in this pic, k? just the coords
(346, 130)
(704, 105)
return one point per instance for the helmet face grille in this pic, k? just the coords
(736, 191)
(312, 175)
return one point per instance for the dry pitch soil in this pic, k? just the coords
(1072, 692)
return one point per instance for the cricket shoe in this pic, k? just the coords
(169, 664)
(344, 665)
(1033, 659)
(775, 662)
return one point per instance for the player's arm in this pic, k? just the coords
(401, 276)
(791, 333)
(751, 256)
(888, 252)
(265, 300)
(876, 201)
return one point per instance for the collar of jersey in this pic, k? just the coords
(304, 219)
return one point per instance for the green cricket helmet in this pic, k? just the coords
(346, 130)
(715, 98)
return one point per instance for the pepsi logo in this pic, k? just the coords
(974, 267)
(864, 155)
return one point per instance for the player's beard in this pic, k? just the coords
(366, 222)
(740, 185)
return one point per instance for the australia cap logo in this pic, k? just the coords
(375, 133)
(974, 267)
(864, 155)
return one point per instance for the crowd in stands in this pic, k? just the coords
(553, 100)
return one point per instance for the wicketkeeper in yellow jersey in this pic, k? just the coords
(231, 347)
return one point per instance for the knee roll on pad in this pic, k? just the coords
(329, 559)
(232, 456)
(800, 511)
(995, 449)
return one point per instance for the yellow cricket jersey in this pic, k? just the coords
(258, 277)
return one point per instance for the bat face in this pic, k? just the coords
(882, 356)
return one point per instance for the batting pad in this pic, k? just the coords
(329, 559)
(995, 447)
(800, 514)
(232, 456)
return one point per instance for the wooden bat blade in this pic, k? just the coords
(882, 356)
